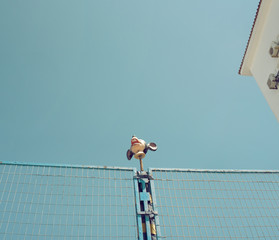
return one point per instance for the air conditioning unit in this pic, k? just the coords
(274, 50)
(273, 81)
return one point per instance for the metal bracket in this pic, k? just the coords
(149, 213)
(144, 176)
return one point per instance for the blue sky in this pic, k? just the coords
(79, 78)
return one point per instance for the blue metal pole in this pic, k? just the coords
(155, 230)
(138, 208)
(144, 197)
(146, 207)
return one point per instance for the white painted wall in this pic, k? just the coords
(263, 64)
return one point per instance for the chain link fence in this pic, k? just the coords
(39, 201)
(217, 204)
(66, 202)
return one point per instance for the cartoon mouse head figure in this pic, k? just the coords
(139, 148)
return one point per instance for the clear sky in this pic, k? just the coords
(79, 78)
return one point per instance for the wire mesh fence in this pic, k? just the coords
(197, 204)
(66, 202)
(81, 202)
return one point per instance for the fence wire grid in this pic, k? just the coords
(84, 202)
(205, 204)
(66, 202)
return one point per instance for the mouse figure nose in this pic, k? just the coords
(135, 140)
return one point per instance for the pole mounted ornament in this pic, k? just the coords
(139, 149)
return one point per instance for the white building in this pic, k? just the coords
(261, 58)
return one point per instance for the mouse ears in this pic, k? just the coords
(129, 154)
(152, 146)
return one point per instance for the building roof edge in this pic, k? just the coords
(248, 42)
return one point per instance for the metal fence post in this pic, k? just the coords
(138, 207)
(145, 203)
(155, 226)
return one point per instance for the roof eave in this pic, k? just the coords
(250, 47)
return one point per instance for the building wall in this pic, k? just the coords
(263, 64)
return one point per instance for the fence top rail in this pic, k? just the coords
(66, 166)
(150, 170)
